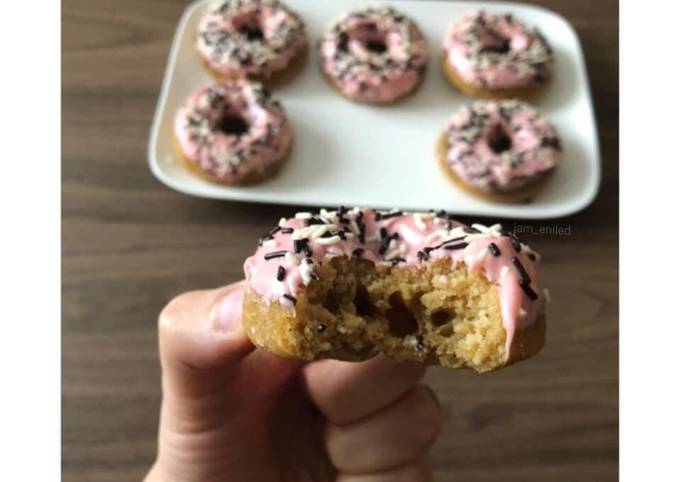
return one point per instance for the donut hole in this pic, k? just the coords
(499, 140)
(401, 320)
(233, 124)
(249, 26)
(377, 46)
(371, 38)
(495, 42)
(500, 46)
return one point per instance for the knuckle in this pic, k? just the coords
(171, 314)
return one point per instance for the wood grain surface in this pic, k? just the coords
(130, 244)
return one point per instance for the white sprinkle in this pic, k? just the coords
(306, 272)
(270, 243)
(354, 226)
(476, 236)
(319, 231)
(304, 232)
(394, 253)
(331, 240)
(522, 313)
(420, 218)
(303, 215)
(504, 271)
(292, 258)
(492, 230)
(282, 222)
(546, 295)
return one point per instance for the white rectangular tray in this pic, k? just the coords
(361, 155)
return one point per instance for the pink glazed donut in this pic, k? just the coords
(377, 55)
(496, 56)
(233, 133)
(501, 151)
(253, 38)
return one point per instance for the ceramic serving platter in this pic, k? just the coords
(360, 155)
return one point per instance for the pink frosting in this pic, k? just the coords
(500, 146)
(374, 55)
(250, 37)
(228, 155)
(497, 51)
(288, 257)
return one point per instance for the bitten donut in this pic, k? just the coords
(349, 284)
(501, 151)
(496, 56)
(375, 55)
(250, 38)
(233, 133)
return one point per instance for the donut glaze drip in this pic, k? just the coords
(232, 130)
(250, 37)
(500, 146)
(289, 255)
(374, 55)
(497, 51)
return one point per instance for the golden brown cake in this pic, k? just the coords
(350, 284)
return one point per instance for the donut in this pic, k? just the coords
(496, 56)
(376, 55)
(500, 151)
(250, 38)
(233, 132)
(351, 283)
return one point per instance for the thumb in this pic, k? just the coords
(201, 340)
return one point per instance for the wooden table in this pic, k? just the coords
(130, 244)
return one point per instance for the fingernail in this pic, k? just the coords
(227, 312)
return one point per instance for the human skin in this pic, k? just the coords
(235, 413)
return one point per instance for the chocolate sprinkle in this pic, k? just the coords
(290, 298)
(320, 328)
(531, 294)
(281, 273)
(531, 256)
(494, 249)
(380, 216)
(287, 230)
(362, 230)
(358, 252)
(275, 254)
(525, 279)
(423, 255)
(452, 247)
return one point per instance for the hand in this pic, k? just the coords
(231, 412)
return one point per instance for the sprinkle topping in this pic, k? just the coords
(398, 241)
